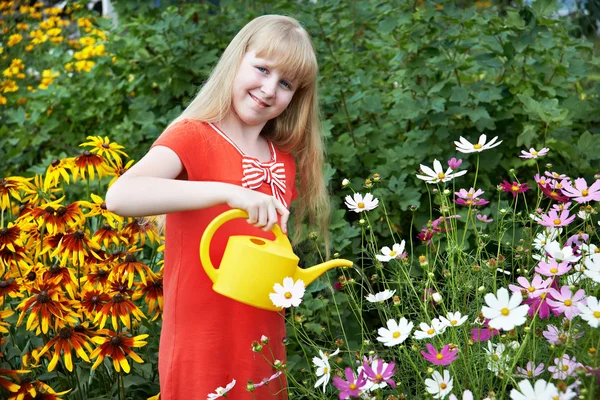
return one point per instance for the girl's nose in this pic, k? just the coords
(268, 87)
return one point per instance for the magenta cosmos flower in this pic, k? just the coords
(444, 357)
(383, 372)
(554, 220)
(351, 386)
(581, 193)
(537, 286)
(515, 188)
(532, 153)
(566, 302)
(454, 163)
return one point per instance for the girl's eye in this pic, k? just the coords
(261, 69)
(286, 84)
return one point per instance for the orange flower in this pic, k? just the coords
(92, 302)
(75, 245)
(34, 390)
(14, 260)
(153, 292)
(57, 217)
(5, 383)
(138, 229)
(67, 340)
(61, 276)
(128, 267)
(121, 307)
(98, 278)
(9, 237)
(107, 234)
(10, 187)
(89, 163)
(116, 346)
(10, 287)
(47, 302)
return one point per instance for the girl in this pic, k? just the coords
(234, 146)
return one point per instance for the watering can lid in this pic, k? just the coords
(280, 247)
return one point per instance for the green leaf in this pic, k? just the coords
(589, 146)
(459, 94)
(545, 7)
(528, 135)
(17, 116)
(387, 25)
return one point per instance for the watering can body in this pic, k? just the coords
(251, 265)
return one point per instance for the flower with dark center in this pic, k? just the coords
(129, 268)
(57, 217)
(90, 164)
(104, 147)
(66, 340)
(117, 346)
(49, 307)
(117, 308)
(75, 246)
(98, 207)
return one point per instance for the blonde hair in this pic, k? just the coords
(297, 130)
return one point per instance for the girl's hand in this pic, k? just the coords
(262, 208)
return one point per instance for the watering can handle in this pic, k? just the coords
(210, 230)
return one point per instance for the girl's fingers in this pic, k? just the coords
(285, 214)
(272, 211)
(262, 217)
(252, 215)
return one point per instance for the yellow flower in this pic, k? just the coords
(69, 67)
(56, 169)
(14, 39)
(58, 39)
(87, 41)
(38, 36)
(52, 10)
(3, 315)
(84, 23)
(2, 99)
(9, 86)
(54, 32)
(47, 78)
(22, 26)
(99, 50)
(39, 4)
(84, 65)
(101, 35)
(84, 54)
(104, 146)
(29, 47)
(98, 207)
(26, 9)
(48, 24)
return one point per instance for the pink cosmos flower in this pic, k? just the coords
(530, 371)
(484, 218)
(471, 202)
(454, 163)
(351, 386)
(266, 381)
(561, 206)
(553, 268)
(556, 175)
(537, 286)
(554, 220)
(515, 188)
(564, 367)
(444, 357)
(483, 334)
(532, 153)
(577, 239)
(581, 193)
(471, 194)
(438, 226)
(539, 305)
(566, 302)
(540, 180)
(558, 336)
(383, 372)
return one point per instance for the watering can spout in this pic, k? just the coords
(310, 274)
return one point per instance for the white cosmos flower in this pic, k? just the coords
(396, 332)
(323, 368)
(592, 264)
(504, 312)
(590, 312)
(542, 390)
(464, 146)
(467, 395)
(388, 254)
(453, 319)
(220, 391)
(439, 386)
(381, 296)
(437, 174)
(545, 237)
(358, 203)
(497, 357)
(290, 294)
(560, 253)
(429, 331)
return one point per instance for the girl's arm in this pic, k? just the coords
(150, 188)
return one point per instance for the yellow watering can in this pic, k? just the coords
(252, 265)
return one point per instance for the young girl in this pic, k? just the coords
(234, 146)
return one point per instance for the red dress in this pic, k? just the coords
(206, 338)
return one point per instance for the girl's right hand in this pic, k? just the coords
(262, 209)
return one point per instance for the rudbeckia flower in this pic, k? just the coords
(56, 170)
(75, 245)
(90, 164)
(137, 230)
(92, 302)
(152, 291)
(116, 346)
(10, 236)
(3, 315)
(10, 187)
(56, 217)
(437, 174)
(104, 146)
(288, 295)
(358, 203)
(464, 146)
(119, 307)
(65, 341)
(128, 268)
(35, 389)
(14, 373)
(98, 207)
(47, 305)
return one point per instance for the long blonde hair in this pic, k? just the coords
(297, 129)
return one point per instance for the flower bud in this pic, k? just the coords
(431, 274)
(256, 347)
(527, 329)
(548, 165)
(503, 211)
(476, 268)
(345, 182)
(368, 183)
(436, 296)
(481, 288)
(336, 255)
(376, 177)
(423, 261)
(592, 351)
(395, 85)
(434, 191)
(429, 371)
(366, 342)
(250, 386)
(362, 221)
(413, 207)
(264, 339)
(446, 192)
(313, 235)
(396, 300)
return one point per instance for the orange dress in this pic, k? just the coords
(206, 338)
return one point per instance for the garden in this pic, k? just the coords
(463, 160)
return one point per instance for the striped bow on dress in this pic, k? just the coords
(272, 173)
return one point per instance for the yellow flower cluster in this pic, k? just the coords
(47, 78)
(15, 69)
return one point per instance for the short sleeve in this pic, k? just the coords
(185, 139)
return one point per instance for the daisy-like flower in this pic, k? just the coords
(268, 379)
(36, 390)
(396, 332)
(581, 193)
(558, 336)
(566, 302)
(75, 245)
(542, 390)
(537, 286)
(560, 253)
(104, 146)
(323, 368)
(92, 301)
(90, 164)
(351, 386)
(381, 296)
(530, 371)
(515, 188)
(288, 295)
(222, 391)
(387, 254)
(3, 315)
(117, 345)
(437, 174)
(56, 217)
(98, 207)
(471, 194)
(443, 357)
(358, 203)
(453, 319)
(554, 220)
(10, 237)
(56, 170)
(138, 228)
(467, 395)
(590, 312)
(106, 235)
(484, 218)
(592, 267)
(532, 153)
(545, 237)
(67, 339)
(464, 146)
(428, 331)
(439, 385)
(128, 268)
(503, 311)
(119, 307)
(553, 268)
(118, 170)
(497, 356)
(46, 305)
(10, 187)
(152, 291)
(563, 367)
(380, 373)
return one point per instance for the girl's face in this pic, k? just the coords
(260, 91)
